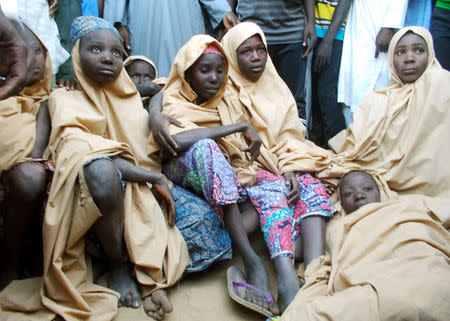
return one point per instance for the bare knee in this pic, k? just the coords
(102, 179)
(27, 182)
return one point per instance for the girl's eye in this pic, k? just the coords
(367, 189)
(95, 49)
(347, 194)
(220, 71)
(134, 76)
(204, 70)
(116, 52)
(420, 50)
(400, 52)
(147, 77)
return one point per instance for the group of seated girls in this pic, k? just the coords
(229, 135)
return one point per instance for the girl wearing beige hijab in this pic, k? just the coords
(25, 131)
(398, 132)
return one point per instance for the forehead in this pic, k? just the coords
(253, 41)
(411, 38)
(140, 65)
(357, 179)
(209, 59)
(104, 37)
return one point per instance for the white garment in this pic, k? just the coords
(35, 14)
(360, 71)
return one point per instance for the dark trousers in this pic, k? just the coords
(324, 91)
(288, 61)
(440, 30)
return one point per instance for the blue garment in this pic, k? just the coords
(207, 241)
(86, 24)
(89, 8)
(419, 13)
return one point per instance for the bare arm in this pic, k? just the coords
(323, 53)
(15, 51)
(43, 126)
(310, 27)
(161, 191)
(148, 89)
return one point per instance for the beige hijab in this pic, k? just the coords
(400, 132)
(18, 119)
(134, 58)
(92, 121)
(272, 108)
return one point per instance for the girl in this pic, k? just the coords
(398, 131)
(102, 186)
(25, 130)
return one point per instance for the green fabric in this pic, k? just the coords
(67, 11)
(443, 4)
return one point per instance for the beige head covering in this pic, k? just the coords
(398, 131)
(18, 118)
(272, 108)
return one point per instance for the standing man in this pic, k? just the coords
(330, 27)
(289, 26)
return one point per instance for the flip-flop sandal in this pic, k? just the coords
(237, 289)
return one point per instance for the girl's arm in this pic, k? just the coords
(42, 131)
(188, 138)
(148, 89)
(161, 191)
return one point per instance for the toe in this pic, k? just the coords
(127, 299)
(135, 300)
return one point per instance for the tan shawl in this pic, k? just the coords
(94, 121)
(389, 261)
(270, 101)
(18, 120)
(401, 132)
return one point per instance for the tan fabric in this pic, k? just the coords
(270, 100)
(389, 261)
(94, 121)
(18, 120)
(400, 132)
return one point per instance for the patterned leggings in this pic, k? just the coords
(204, 170)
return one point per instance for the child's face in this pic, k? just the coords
(252, 57)
(410, 57)
(35, 60)
(140, 72)
(101, 56)
(358, 189)
(206, 76)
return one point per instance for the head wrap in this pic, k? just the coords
(85, 24)
(212, 49)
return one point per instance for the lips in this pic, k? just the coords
(409, 71)
(107, 72)
(257, 69)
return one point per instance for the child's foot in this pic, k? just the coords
(286, 294)
(121, 281)
(157, 305)
(257, 276)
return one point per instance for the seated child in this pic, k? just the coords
(104, 184)
(238, 168)
(142, 72)
(25, 131)
(357, 188)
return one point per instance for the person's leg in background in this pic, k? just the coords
(288, 61)
(325, 94)
(440, 30)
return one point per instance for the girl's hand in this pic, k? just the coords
(161, 133)
(294, 193)
(254, 143)
(162, 194)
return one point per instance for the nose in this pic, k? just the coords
(359, 195)
(213, 78)
(107, 58)
(410, 56)
(141, 79)
(255, 56)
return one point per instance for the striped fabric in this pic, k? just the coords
(443, 4)
(282, 21)
(324, 15)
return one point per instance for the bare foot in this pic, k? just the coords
(286, 294)
(157, 305)
(256, 275)
(121, 281)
